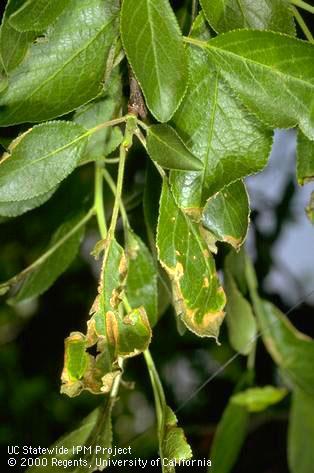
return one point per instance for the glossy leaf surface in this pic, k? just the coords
(13, 44)
(225, 15)
(264, 70)
(65, 69)
(166, 148)
(153, 44)
(36, 15)
(216, 127)
(40, 159)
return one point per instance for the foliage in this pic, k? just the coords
(85, 87)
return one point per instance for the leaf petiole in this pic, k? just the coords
(302, 24)
(113, 188)
(303, 5)
(99, 201)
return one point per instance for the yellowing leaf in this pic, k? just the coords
(198, 297)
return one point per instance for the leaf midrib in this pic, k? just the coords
(258, 64)
(52, 77)
(46, 156)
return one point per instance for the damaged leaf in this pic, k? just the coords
(173, 444)
(305, 159)
(141, 283)
(226, 214)
(198, 296)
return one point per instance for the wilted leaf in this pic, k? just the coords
(40, 159)
(166, 148)
(239, 316)
(218, 129)
(141, 283)
(153, 44)
(37, 15)
(226, 214)
(198, 297)
(225, 15)
(264, 70)
(128, 335)
(301, 433)
(64, 69)
(258, 399)
(113, 333)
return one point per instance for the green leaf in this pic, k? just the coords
(217, 129)
(141, 283)
(14, 209)
(153, 44)
(264, 70)
(226, 214)
(13, 44)
(94, 431)
(229, 437)
(62, 251)
(105, 141)
(239, 316)
(173, 444)
(166, 148)
(37, 15)
(290, 349)
(225, 15)
(40, 159)
(233, 426)
(258, 399)
(198, 297)
(305, 159)
(301, 433)
(64, 69)
(3, 80)
(76, 358)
